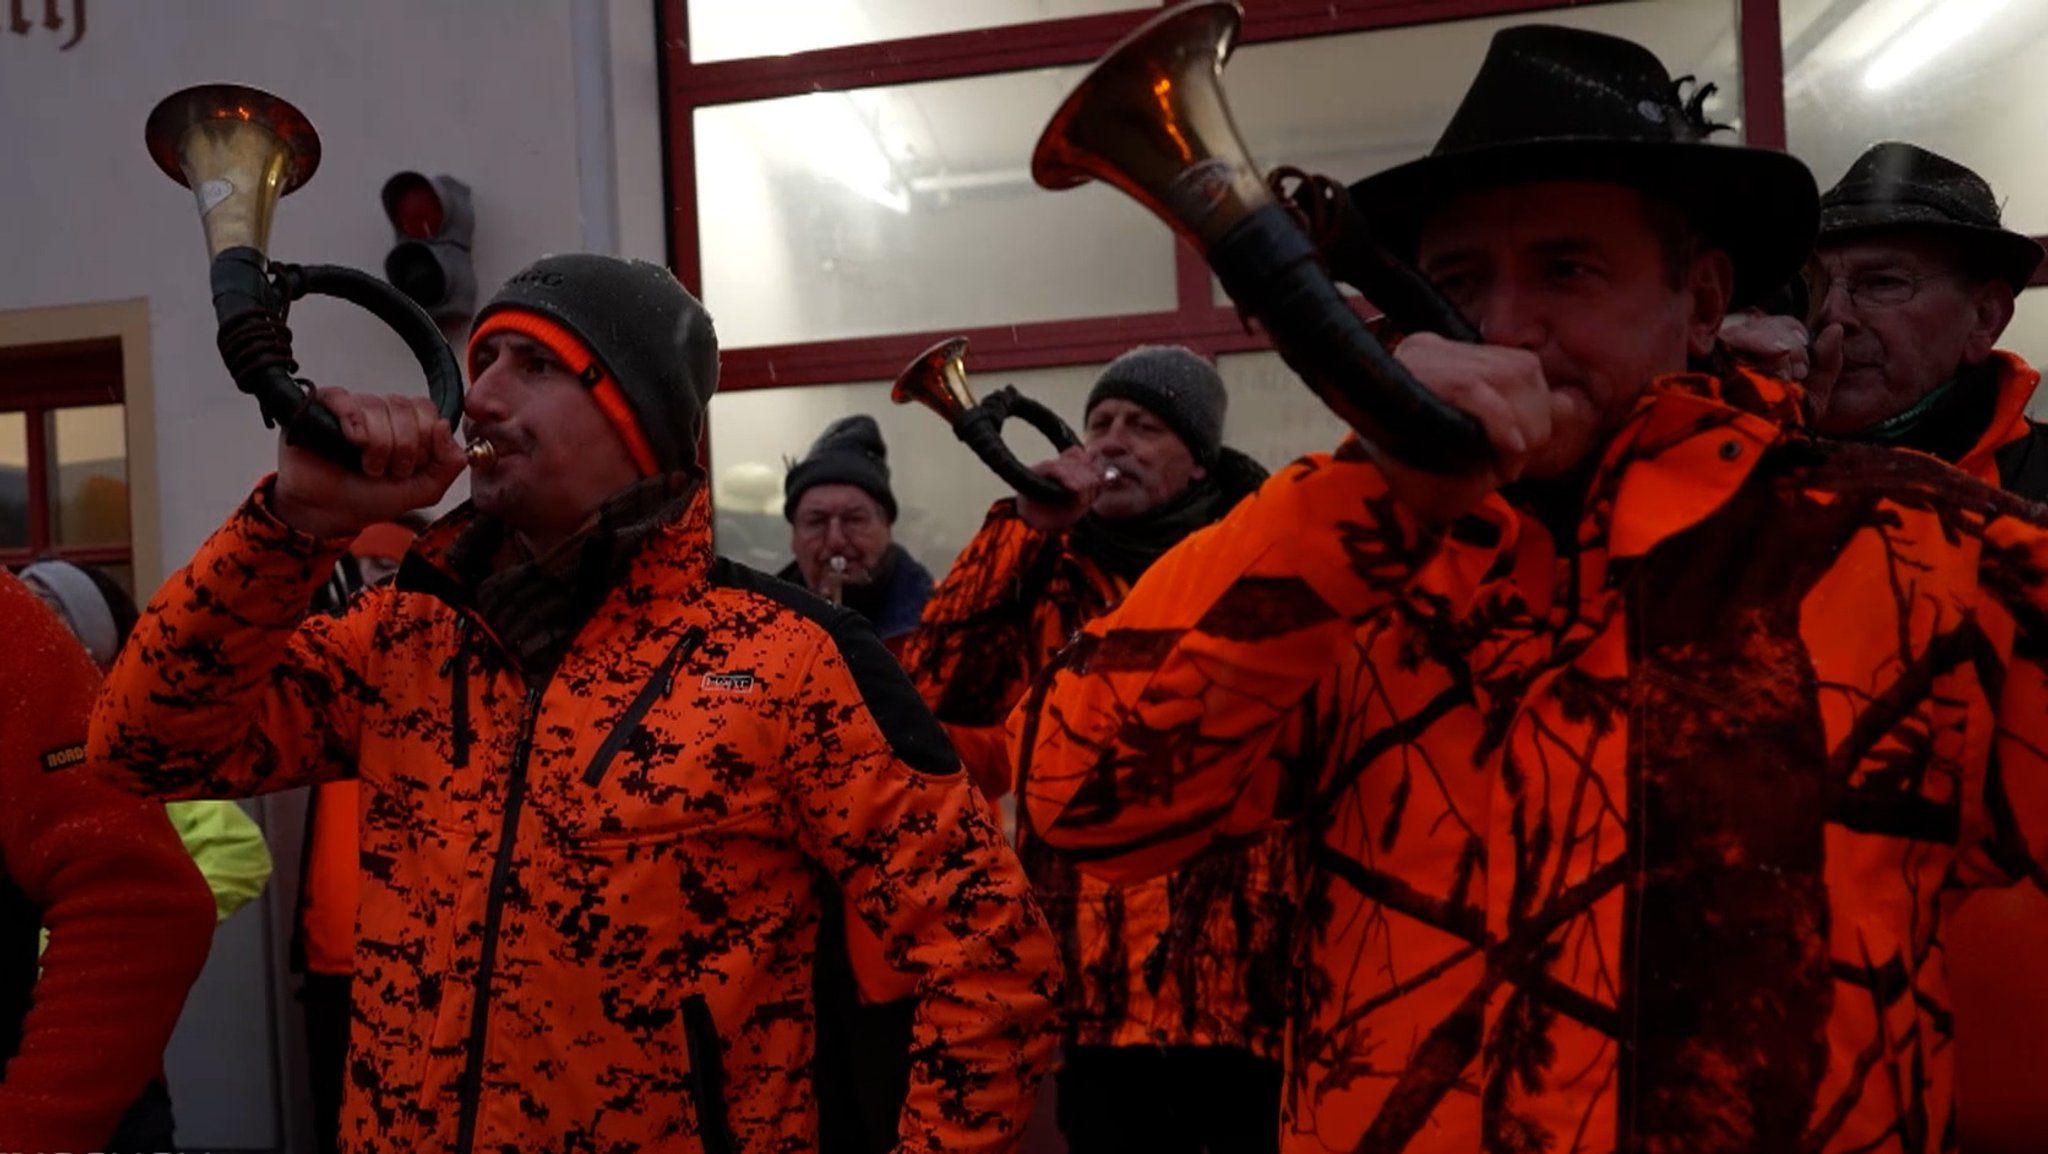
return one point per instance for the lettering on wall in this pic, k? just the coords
(22, 21)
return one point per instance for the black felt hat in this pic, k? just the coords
(1895, 186)
(1566, 104)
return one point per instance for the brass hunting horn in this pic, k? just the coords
(1150, 119)
(937, 379)
(240, 149)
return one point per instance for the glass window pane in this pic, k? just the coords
(1349, 106)
(1961, 78)
(88, 476)
(729, 29)
(13, 481)
(1274, 418)
(908, 209)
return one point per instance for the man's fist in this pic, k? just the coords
(410, 458)
(1524, 419)
(1076, 472)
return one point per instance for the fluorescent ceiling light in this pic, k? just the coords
(841, 145)
(1856, 38)
(1937, 30)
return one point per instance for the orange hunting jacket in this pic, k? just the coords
(1640, 840)
(588, 908)
(1195, 958)
(129, 915)
(2000, 1001)
(2017, 382)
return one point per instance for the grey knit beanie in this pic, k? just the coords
(644, 328)
(1174, 384)
(99, 612)
(849, 452)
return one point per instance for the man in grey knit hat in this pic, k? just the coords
(611, 783)
(1173, 1021)
(841, 515)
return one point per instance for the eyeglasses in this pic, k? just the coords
(854, 521)
(1875, 290)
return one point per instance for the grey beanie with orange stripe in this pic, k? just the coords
(632, 332)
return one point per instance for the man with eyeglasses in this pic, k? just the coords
(842, 514)
(1911, 284)
(842, 517)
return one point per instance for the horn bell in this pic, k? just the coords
(937, 379)
(238, 149)
(1151, 120)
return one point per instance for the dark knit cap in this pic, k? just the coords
(1173, 384)
(849, 452)
(644, 327)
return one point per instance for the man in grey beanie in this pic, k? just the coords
(841, 514)
(1173, 1019)
(611, 783)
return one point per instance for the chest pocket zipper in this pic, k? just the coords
(658, 686)
(458, 665)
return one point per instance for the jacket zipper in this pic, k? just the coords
(458, 664)
(471, 1086)
(706, 1079)
(658, 686)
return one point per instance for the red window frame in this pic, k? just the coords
(1196, 320)
(38, 380)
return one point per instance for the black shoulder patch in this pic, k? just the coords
(914, 735)
(64, 757)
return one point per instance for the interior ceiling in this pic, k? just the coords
(1356, 102)
(1341, 101)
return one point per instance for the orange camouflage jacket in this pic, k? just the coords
(588, 907)
(2004, 455)
(1999, 1000)
(1194, 958)
(1638, 839)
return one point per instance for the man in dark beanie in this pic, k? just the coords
(610, 784)
(841, 515)
(1635, 771)
(1174, 1011)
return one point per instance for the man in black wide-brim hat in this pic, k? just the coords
(1913, 280)
(1635, 772)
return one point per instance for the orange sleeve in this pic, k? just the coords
(2015, 573)
(332, 883)
(227, 688)
(1155, 735)
(130, 917)
(881, 803)
(985, 754)
(1994, 939)
(979, 647)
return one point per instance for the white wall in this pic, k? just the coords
(485, 90)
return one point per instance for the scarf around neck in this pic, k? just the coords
(1127, 546)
